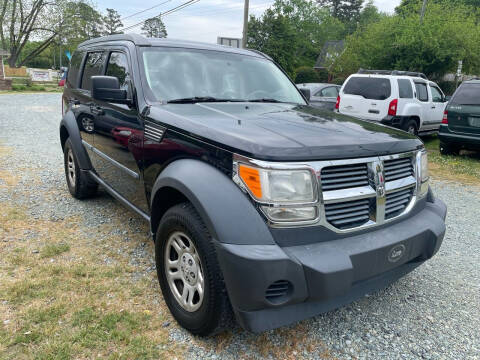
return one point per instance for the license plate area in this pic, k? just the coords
(474, 121)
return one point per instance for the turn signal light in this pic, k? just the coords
(445, 117)
(251, 178)
(392, 108)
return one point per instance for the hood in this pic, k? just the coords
(283, 132)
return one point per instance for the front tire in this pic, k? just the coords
(79, 183)
(189, 274)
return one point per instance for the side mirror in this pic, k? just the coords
(447, 98)
(107, 88)
(306, 93)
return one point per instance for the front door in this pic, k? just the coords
(435, 116)
(118, 137)
(325, 98)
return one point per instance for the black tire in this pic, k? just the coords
(215, 313)
(80, 185)
(446, 149)
(411, 127)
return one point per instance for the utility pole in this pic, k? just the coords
(245, 24)
(422, 14)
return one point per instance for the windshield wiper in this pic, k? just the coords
(266, 100)
(197, 99)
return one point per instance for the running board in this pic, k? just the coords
(117, 196)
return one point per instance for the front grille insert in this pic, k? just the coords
(398, 168)
(278, 292)
(344, 177)
(349, 214)
(397, 202)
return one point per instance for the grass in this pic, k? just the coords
(464, 168)
(26, 85)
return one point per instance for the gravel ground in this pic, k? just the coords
(432, 313)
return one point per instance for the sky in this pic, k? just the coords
(204, 21)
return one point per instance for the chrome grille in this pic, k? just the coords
(344, 177)
(397, 202)
(398, 168)
(350, 214)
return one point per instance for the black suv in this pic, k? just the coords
(260, 205)
(460, 127)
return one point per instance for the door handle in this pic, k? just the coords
(433, 107)
(97, 110)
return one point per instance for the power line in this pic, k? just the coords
(168, 12)
(141, 12)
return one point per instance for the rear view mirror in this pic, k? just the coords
(306, 93)
(107, 88)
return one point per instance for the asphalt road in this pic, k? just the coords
(432, 313)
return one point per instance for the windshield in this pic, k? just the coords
(179, 74)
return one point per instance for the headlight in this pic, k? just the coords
(422, 176)
(285, 195)
(424, 166)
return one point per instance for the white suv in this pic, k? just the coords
(405, 100)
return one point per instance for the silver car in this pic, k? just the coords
(323, 96)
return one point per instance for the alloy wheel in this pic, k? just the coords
(183, 270)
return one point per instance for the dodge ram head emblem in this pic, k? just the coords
(380, 183)
(396, 253)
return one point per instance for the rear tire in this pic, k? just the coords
(411, 127)
(447, 149)
(189, 273)
(80, 185)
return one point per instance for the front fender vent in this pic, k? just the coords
(153, 131)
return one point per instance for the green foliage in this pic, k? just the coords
(154, 28)
(305, 74)
(112, 22)
(448, 33)
(293, 32)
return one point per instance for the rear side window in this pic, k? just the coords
(422, 93)
(405, 89)
(75, 64)
(93, 66)
(467, 94)
(118, 67)
(369, 87)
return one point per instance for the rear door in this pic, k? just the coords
(423, 99)
(464, 110)
(325, 98)
(366, 97)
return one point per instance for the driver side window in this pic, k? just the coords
(436, 94)
(118, 67)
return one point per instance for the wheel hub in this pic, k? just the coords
(189, 269)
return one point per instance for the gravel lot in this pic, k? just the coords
(433, 313)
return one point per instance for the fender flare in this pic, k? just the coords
(227, 212)
(70, 125)
(413, 110)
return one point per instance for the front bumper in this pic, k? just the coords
(327, 274)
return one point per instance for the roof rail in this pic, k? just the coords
(393, 72)
(136, 39)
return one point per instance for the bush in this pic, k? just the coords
(16, 87)
(306, 74)
(448, 87)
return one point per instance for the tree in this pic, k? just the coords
(344, 10)
(293, 32)
(24, 20)
(112, 22)
(408, 7)
(154, 27)
(306, 74)
(449, 32)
